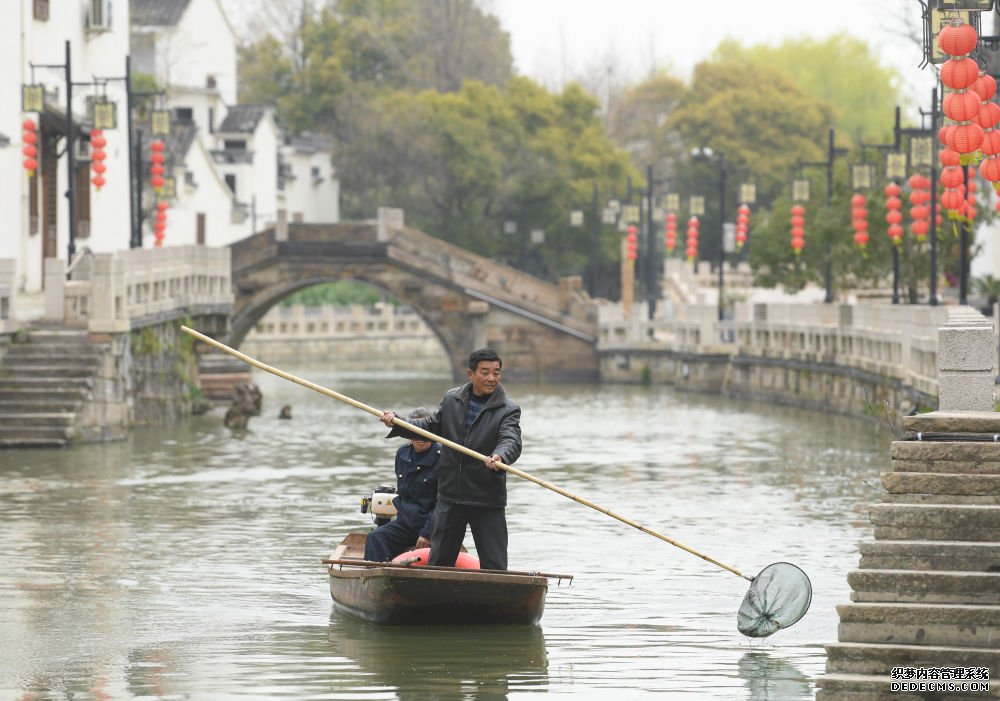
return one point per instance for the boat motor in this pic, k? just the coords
(379, 504)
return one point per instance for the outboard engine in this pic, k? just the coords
(379, 504)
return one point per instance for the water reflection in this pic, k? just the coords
(772, 679)
(482, 662)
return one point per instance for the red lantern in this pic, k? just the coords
(895, 232)
(952, 199)
(894, 216)
(959, 73)
(965, 138)
(861, 238)
(97, 157)
(156, 145)
(920, 229)
(985, 86)
(949, 157)
(631, 243)
(989, 115)
(957, 38)
(952, 176)
(943, 133)
(798, 228)
(157, 182)
(670, 235)
(990, 169)
(29, 136)
(892, 190)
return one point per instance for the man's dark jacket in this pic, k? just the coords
(416, 485)
(496, 431)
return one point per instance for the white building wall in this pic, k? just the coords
(265, 143)
(13, 193)
(26, 40)
(309, 200)
(201, 47)
(209, 196)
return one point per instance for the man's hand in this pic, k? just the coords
(422, 543)
(387, 418)
(494, 462)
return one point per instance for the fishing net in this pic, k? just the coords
(778, 597)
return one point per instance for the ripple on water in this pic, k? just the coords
(184, 562)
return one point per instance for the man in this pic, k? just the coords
(479, 416)
(416, 496)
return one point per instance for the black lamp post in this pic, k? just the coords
(703, 152)
(831, 154)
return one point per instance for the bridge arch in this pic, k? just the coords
(244, 321)
(543, 332)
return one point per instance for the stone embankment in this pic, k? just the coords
(926, 594)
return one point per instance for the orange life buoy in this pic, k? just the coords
(418, 558)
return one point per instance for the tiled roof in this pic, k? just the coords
(307, 142)
(243, 119)
(157, 13)
(180, 139)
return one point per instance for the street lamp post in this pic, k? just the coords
(703, 152)
(892, 175)
(831, 154)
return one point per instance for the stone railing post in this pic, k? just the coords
(55, 289)
(107, 290)
(965, 362)
(388, 219)
(8, 290)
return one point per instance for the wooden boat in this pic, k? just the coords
(394, 594)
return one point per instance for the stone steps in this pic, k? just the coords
(943, 625)
(952, 457)
(936, 522)
(925, 587)
(44, 383)
(946, 486)
(879, 659)
(48, 419)
(946, 555)
(54, 434)
(19, 370)
(26, 395)
(19, 355)
(864, 687)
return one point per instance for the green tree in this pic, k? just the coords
(840, 70)
(461, 164)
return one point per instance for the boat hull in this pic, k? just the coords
(438, 596)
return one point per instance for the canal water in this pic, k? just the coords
(184, 563)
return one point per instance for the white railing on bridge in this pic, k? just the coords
(114, 292)
(897, 341)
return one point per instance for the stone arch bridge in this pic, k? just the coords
(542, 331)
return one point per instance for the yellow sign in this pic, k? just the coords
(748, 193)
(673, 202)
(32, 98)
(895, 166)
(800, 191)
(697, 206)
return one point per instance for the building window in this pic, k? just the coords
(41, 10)
(210, 82)
(211, 120)
(231, 182)
(235, 144)
(184, 114)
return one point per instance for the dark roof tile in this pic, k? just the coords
(157, 13)
(243, 119)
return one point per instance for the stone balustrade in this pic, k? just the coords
(899, 342)
(116, 292)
